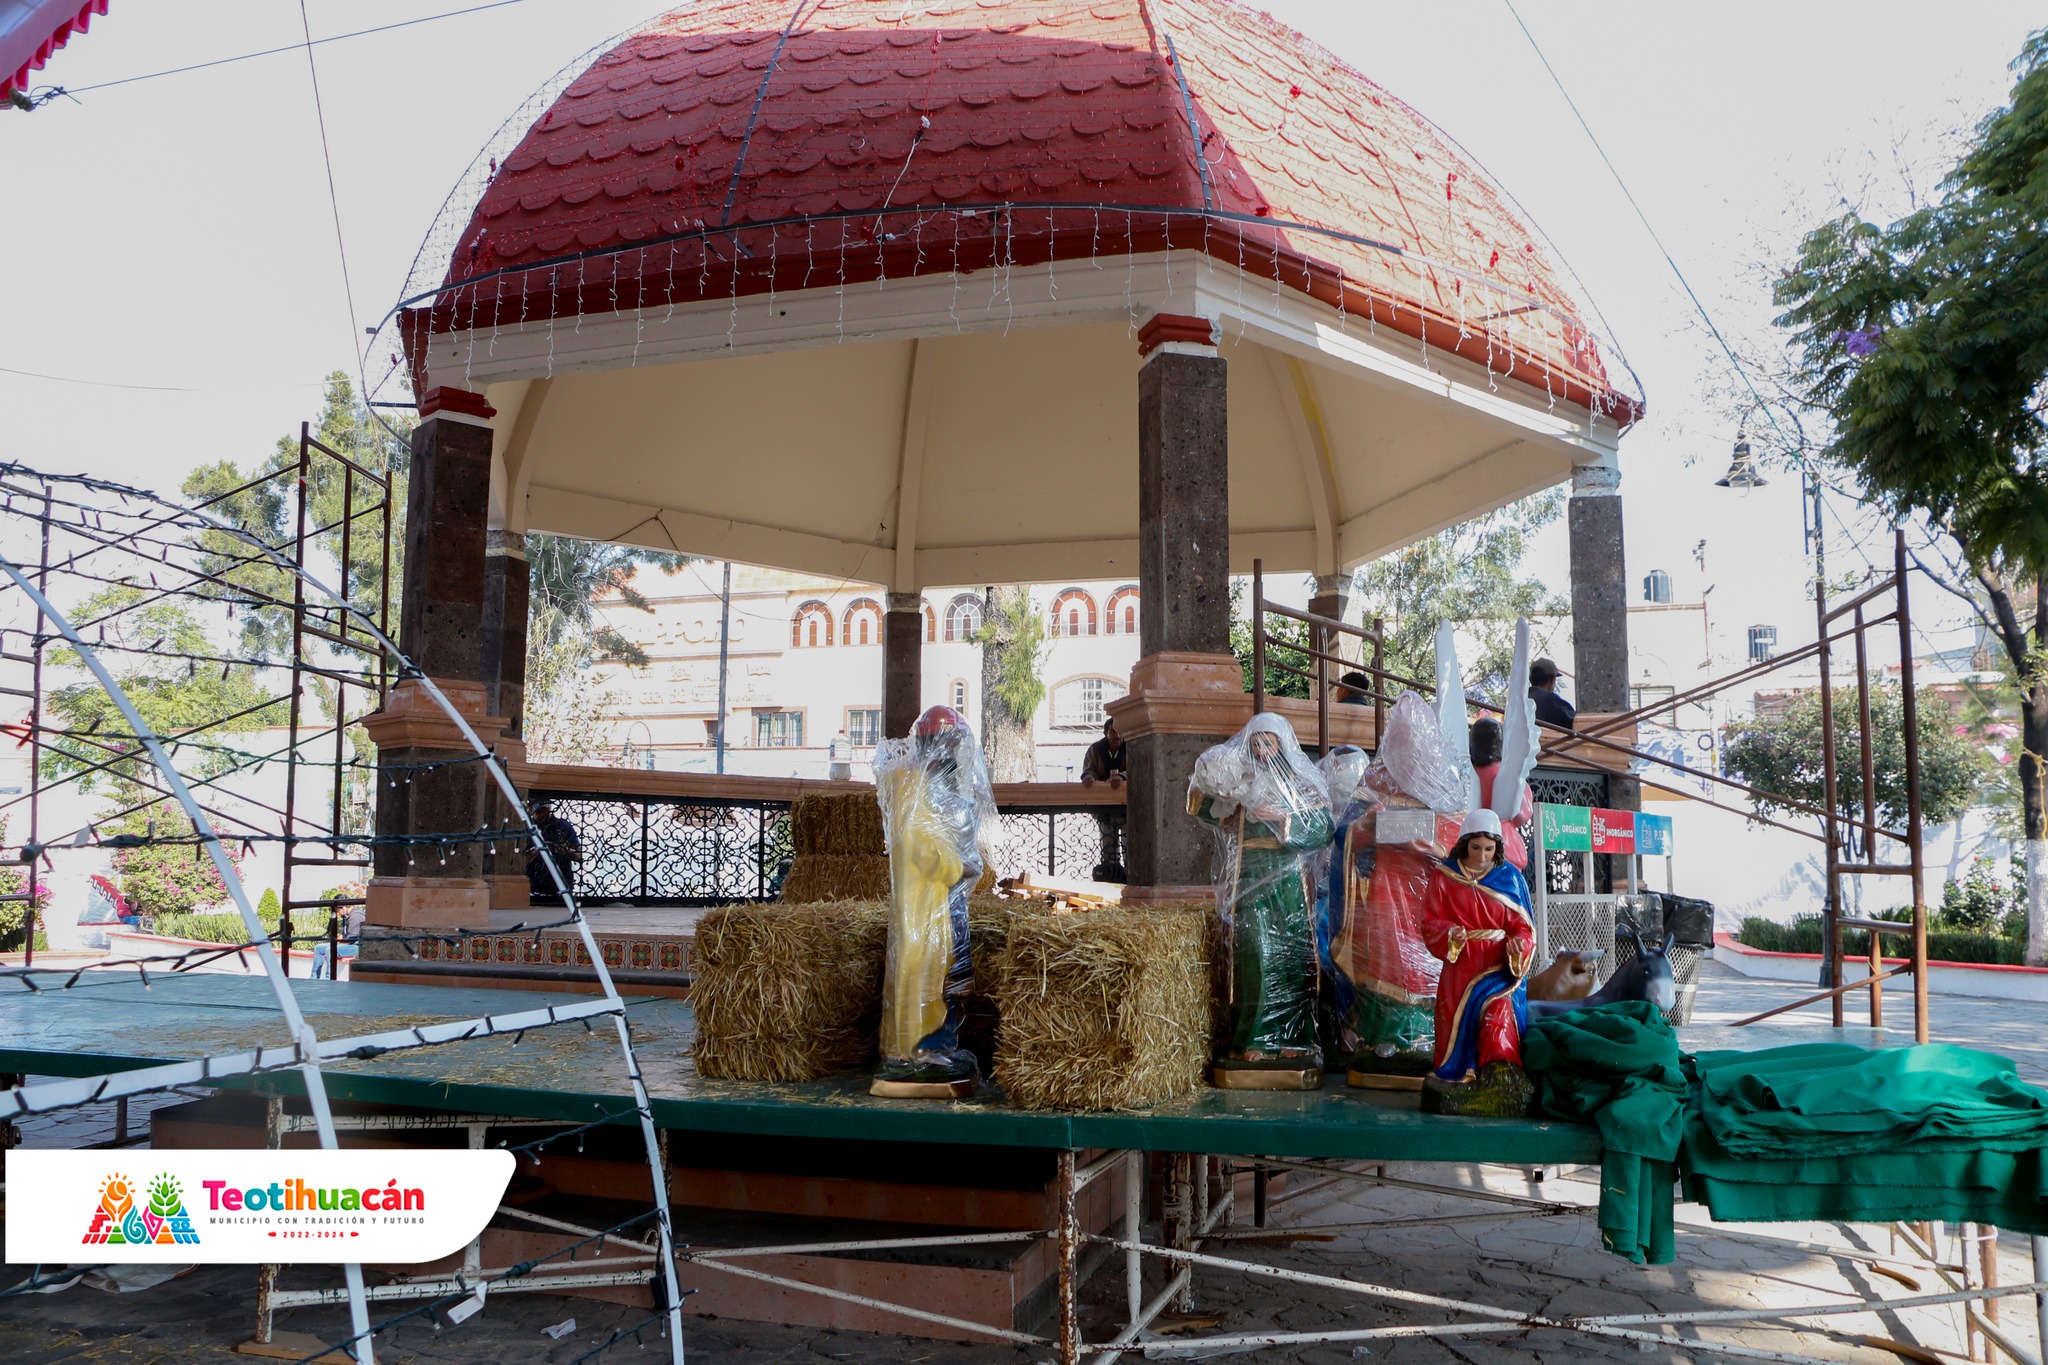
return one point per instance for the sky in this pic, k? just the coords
(171, 242)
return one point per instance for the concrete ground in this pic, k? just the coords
(1550, 1265)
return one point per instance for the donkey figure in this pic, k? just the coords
(1646, 977)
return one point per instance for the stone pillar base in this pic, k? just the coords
(1179, 704)
(510, 891)
(428, 903)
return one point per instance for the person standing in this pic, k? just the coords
(1104, 764)
(563, 845)
(1551, 709)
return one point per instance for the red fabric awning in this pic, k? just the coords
(31, 31)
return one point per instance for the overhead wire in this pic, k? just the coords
(288, 47)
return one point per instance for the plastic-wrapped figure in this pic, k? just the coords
(1272, 815)
(1396, 825)
(936, 800)
(1476, 920)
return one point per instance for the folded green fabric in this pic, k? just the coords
(1846, 1134)
(1617, 1067)
(1833, 1099)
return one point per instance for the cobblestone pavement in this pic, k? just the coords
(1548, 1265)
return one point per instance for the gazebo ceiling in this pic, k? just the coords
(850, 286)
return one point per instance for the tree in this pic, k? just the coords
(1281, 631)
(262, 506)
(167, 873)
(1013, 649)
(570, 578)
(150, 644)
(571, 582)
(1469, 574)
(1926, 342)
(1781, 753)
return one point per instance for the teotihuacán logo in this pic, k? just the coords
(118, 1221)
(246, 1207)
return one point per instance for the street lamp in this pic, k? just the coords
(1742, 472)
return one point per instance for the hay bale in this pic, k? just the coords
(1111, 1009)
(821, 877)
(788, 992)
(846, 824)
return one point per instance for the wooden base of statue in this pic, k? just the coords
(1501, 1090)
(1266, 1077)
(1381, 1080)
(962, 1089)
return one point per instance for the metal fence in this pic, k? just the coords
(660, 850)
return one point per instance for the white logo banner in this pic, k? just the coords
(244, 1207)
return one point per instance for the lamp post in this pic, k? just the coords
(1742, 476)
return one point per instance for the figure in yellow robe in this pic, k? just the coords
(935, 798)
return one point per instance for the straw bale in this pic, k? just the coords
(1108, 1009)
(788, 992)
(845, 824)
(819, 877)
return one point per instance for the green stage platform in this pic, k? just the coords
(563, 1072)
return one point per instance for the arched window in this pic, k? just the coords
(1077, 702)
(931, 625)
(863, 623)
(811, 627)
(963, 618)
(1073, 613)
(956, 696)
(1120, 617)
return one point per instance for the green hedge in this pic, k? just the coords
(1803, 935)
(219, 928)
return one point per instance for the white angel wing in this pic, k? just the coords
(1450, 705)
(1519, 739)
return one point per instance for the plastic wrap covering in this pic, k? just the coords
(936, 800)
(1378, 881)
(1271, 811)
(1419, 761)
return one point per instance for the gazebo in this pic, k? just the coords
(970, 292)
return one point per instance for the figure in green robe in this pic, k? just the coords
(1272, 815)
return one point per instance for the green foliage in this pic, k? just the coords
(1015, 629)
(164, 878)
(1984, 902)
(218, 928)
(260, 502)
(1781, 754)
(269, 905)
(1926, 341)
(570, 578)
(1803, 935)
(1281, 631)
(173, 694)
(14, 914)
(1469, 574)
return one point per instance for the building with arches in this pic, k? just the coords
(803, 663)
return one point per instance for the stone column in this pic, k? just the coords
(1600, 668)
(442, 629)
(902, 663)
(507, 585)
(1332, 598)
(1187, 689)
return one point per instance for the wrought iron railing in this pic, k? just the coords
(655, 850)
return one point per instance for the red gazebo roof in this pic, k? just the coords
(735, 148)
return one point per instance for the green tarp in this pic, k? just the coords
(1617, 1067)
(1816, 1131)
